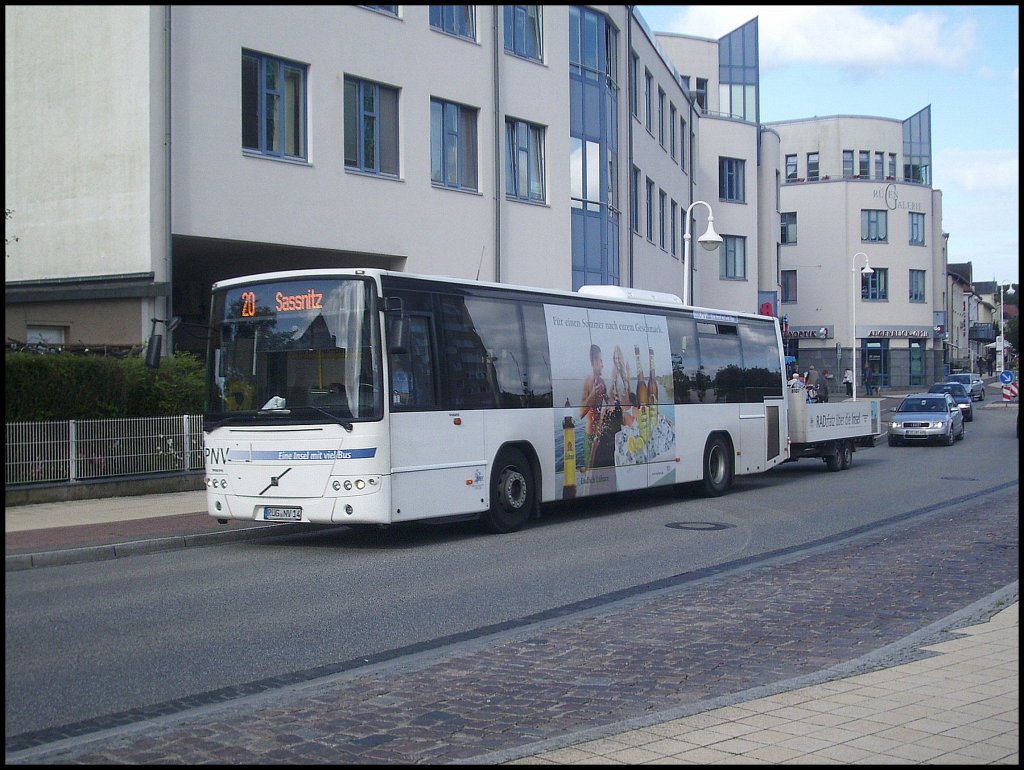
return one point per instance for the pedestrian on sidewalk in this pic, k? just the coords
(848, 382)
(869, 375)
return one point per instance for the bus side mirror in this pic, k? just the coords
(398, 325)
(398, 334)
(153, 349)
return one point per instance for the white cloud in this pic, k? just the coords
(852, 36)
(995, 172)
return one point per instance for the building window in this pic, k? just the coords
(524, 31)
(847, 164)
(788, 227)
(672, 224)
(661, 218)
(916, 229)
(661, 117)
(391, 10)
(650, 210)
(273, 106)
(585, 175)
(51, 336)
(892, 165)
(875, 286)
(672, 131)
(524, 160)
(682, 142)
(457, 20)
(701, 94)
(633, 95)
(648, 106)
(733, 264)
(864, 169)
(879, 165)
(453, 146)
(874, 225)
(371, 127)
(788, 285)
(917, 287)
(791, 168)
(730, 180)
(812, 167)
(634, 192)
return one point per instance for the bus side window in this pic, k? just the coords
(412, 372)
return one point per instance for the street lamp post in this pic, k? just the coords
(866, 270)
(1002, 329)
(710, 241)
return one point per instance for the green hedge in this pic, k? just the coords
(70, 387)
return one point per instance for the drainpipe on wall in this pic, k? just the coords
(497, 151)
(629, 139)
(169, 302)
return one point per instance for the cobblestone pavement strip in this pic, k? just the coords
(776, 620)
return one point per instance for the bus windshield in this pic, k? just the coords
(303, 348)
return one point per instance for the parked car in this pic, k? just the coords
(959, 394)
(974, 384)
(923, 417)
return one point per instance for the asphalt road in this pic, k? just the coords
(629, 603)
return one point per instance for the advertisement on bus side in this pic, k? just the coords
(615, 426)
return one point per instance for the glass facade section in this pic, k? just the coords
(593, 130)
(738, 73)
(917, 147)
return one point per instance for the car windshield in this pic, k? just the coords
(921, 404)
(953, 388)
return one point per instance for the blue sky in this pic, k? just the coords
(891, 61)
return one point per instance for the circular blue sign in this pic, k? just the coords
(1006, 377)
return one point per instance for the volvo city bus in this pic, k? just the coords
(371, 397)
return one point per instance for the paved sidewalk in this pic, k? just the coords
(960, 707)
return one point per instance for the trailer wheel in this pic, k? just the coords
(834, 457)
(718, 471)
(512, 493)
(846, 454)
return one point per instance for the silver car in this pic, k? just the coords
(924, 417)
(974, 384)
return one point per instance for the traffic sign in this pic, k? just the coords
(1009, 392)
(1006, 377)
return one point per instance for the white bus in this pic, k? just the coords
(370, 397)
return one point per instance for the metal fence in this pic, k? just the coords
(85, 450)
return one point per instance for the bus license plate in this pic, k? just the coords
(282, 514)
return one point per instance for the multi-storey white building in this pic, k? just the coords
(553, 146)
(857, 192)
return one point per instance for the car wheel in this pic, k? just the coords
(982, 398)
(892, 441)
(963, 430)
(951, 436)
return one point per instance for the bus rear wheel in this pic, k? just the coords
(718, 470)
(513, 493)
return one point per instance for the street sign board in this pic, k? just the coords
(1006, 377)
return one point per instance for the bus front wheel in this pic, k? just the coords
(717, 467)
(512, 493)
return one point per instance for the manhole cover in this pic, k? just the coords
(699, 525)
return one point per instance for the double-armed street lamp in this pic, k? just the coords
(710, 241)
(866, 270)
